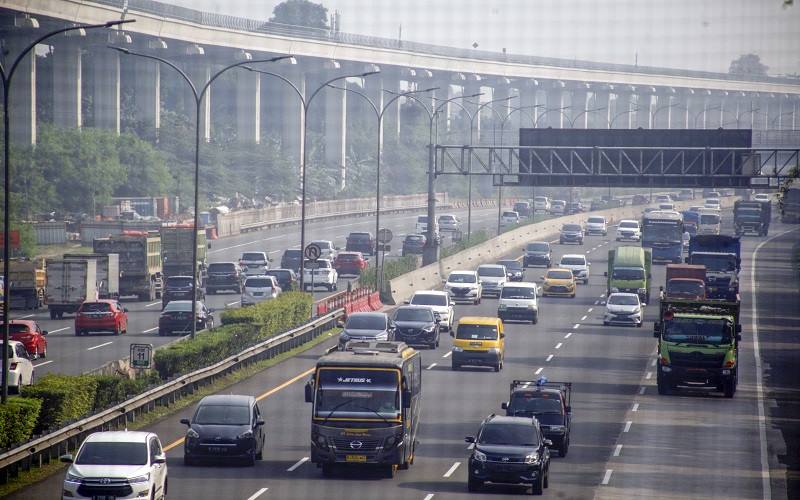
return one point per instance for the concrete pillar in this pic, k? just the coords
(600, 100)
(147, 92)
(747, 109)
(373, 88)
(773, 112)
(336, 130)
(578, 111)
(526, 117)
(292, 119)
(715, 110)
(199, 70)
(390, 81)
(679, 118)
(662, 110)
(106, 91)
(22, 95)
(472, 87)
(621, 110)
(644, 108)
(67, 85)
(248, 106)
(554, 113)
(500, 111)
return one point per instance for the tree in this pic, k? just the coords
(748, 64)
(301, 13)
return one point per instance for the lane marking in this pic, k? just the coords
(575, 326)
(628, 425)
(257, 494)
(298, 464)
(607, 477)
(583, 318)
(99, 346)
(635, 407)
(589, 310)
(558, 346)
(428, 496)
(150, 330)
(568, 335)
(548, 358)
(43, 363)
(232, 303)
(59, 330)
(537, 372)
(617, 450)
(641, 390)
(653, 363)
(26, 316)
(447, 354)
(649, 375)
(431, 366)
(597, 302)
(153, 304)
(602, 295)
(451, 469)
(766, 487)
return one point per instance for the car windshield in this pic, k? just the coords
(281, 275)
(222, 267)
(358, 237)
(697, 331)
(414, 238)
(719, 263)
(358, 393)
(103, 453)
(258, 283)
(749, 213)
(627, 273)
(91, 307)
(509, 434)
(349, 257)
(518, 292)
(596, 220)
(292, 254)
(447, 218)
(324, 245)
(538, 247)
(366, 322)
(423, 219)
(629, 224)
(317, 264)
(413, 314)
(709, 219)
(461, 278)
(429, 299)
(179, 305)
(573, 261)
(540, 199)
(559, 275)
(179, 281)
(535, 402)
(468, 331)
(222, 415)
(685, 287)
(514, 265)
(258, 256)
(18, 328)
(512, 215)
(491, 272)
(623, 300)
(571, 227)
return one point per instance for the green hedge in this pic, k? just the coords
(478, 237)
(18, 419)
(242, 328)
(112, 390)
(64, 398)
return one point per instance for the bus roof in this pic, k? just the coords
(663, 215)
(370, 354)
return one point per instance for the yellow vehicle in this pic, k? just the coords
(558, 282)
(478, 341)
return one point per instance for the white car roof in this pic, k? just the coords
(623, 294)
(491, 266)
(629, 220)
(521, 284)
(472, 273)
(119, 437)
(430, 292)
(573, 256)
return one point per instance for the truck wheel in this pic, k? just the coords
(534, 319)
(537, 488)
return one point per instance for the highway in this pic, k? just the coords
(626, 442)
(69, 354)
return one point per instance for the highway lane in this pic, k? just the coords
(70, 354)
(599, 360)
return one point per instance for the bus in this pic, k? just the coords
(663, 232)
(366, 404)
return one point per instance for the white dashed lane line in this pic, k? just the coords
(548, 358)
(589, 310)
(153, 304)
(431, 366)
(635, 407)
(428, 496)
(59, 330)
(150, 330)
(617, 450)
(649, 375)
(43, 363)
(232, 303)
(575, 326)
(653, 363)
(583, 318)
(628, 426)
(568, 335)
(257, 494)
(558, 346)
(452, 469)
(297, 464)
(447, 354)
(641, 391)
(607, 476)
(99, 346)
(538, 371)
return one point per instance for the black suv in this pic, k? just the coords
(414, 244)
(549, 403)
(571, 233)
(514, 269)
(224, 276)
(417, 325)
(360, 242)
(509, 450)
(180, 288)
(291, 260)
(537, 253)
(286, 278)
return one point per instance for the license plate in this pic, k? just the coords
(104, 497)
(355, 458)
(216, 449)
(696, 370)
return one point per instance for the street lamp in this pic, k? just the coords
(6, 75)
(704, 110)
(661, 108)
(198, 100)
(306, 103)
(548, 110)
(626, 112)
(379, 112)
(584, 112)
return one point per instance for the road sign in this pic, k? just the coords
(142, 356)
(385, 235)
(312, 252)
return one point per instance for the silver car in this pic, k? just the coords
(623, 309)
(259, 288)
(493, 277)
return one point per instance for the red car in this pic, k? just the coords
(350, 263)
(103, 315)
(31, 335)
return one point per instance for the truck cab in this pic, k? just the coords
(685, 281)
(547, 402)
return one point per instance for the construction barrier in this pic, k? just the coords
(358, 300)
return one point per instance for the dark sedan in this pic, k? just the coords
(286, 278)
(176, 317)
(291, 260)
(225, 427)
(416, 325)
(414, 244)
(514, 269)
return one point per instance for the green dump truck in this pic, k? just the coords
(176, 251)
(629, 271)
(698, 345)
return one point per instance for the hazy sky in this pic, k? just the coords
(692, 34)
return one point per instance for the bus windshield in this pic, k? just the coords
(662, 232)
(357, 393)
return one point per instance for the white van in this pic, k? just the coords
(709, 223)
(422, 225)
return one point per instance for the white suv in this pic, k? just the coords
(509, 218)
(439, 302)
(596, 225)
(628, 229)
(253, 263)
(117, 464)
(319, 273)
(519, 301)
(578, 265)
(541, 204)
(327, 249)
(422, 226)
(464, 286)
(258, 289)
(493, 277)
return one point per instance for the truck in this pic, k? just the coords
(629, 271)
(698, 345)
(721, 256)
(69, 283)
(107, 272)
(176, 251)
(685, 281)
(27, 280)
(752, 217)
(139, 262)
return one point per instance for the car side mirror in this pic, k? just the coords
(547, 443)
(67, 459)
(406, 302)
(209, 245)
(161, 458)
(45, 332)
(504, 405)
(469, 439)
(686, 260)
(541, 277)
(185, 421)
(309, 392)
(738, 337)
(568, 409)
(656, 328)
(738, 328)
(605, 273)
(406, 398)
(660, 288)
(260, 422)
(452, 334)
(124, 309)
(502, 335)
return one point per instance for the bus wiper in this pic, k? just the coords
(333, 410)
(375, 412)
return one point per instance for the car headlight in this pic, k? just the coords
(532, 306)
(479, 456)
(614, 289)
(140, 479)
(430, 329)
(72, 477)
(642, 290)
(494, 350)
(382, 336)
(502, 307)
(245, 435)
(192, 434)
(532, 459)
(344, 336)
(458, 349)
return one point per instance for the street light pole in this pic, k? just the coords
(198, 99)
(704, 110)
(627, 112)
(6, 75)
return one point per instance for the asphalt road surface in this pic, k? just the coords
(627, 442)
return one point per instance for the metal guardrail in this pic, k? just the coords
(43, 449)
